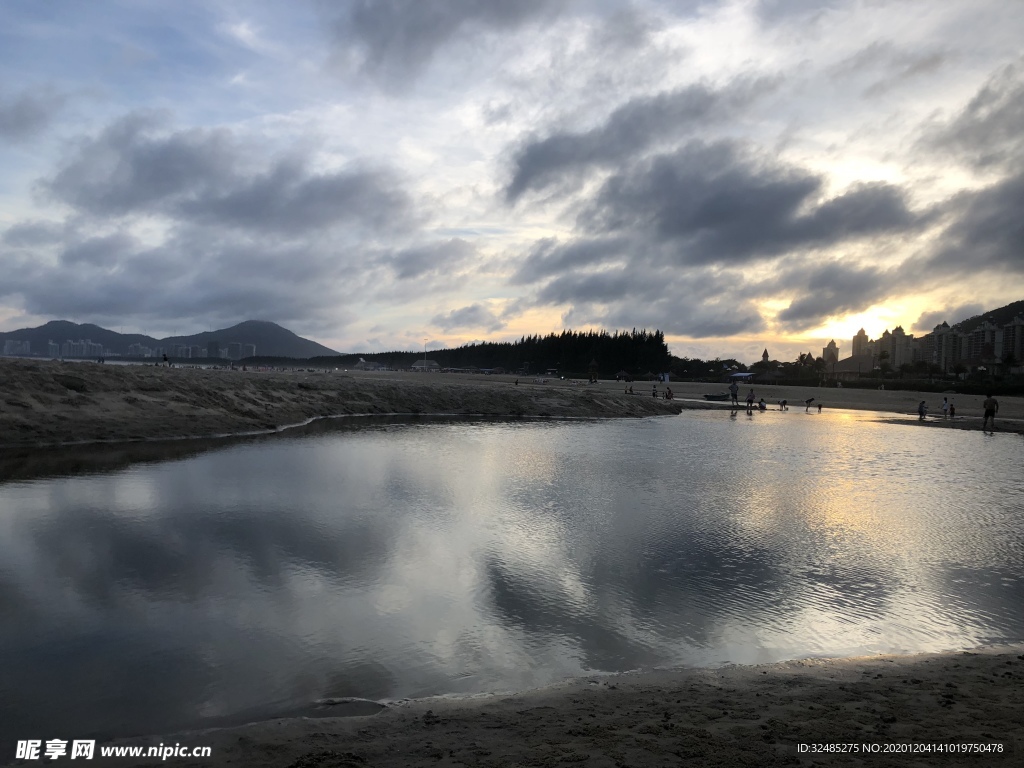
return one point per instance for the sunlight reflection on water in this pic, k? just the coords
(437, 557)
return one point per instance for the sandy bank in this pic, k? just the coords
(52, 403)
(734, 716)
(46, 403)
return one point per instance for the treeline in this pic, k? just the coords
(569, 352)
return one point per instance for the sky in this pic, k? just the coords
(384, 174)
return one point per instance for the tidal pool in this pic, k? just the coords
(436, 557)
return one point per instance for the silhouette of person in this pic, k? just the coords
(991, 406)
(807, 404)
(922, 410)
(734, 390)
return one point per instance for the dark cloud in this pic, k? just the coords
(691, 240)
(473, 316)
(682, 312)
(987, 133)
(397, 39)
(27, 114)
(927, 321)
(29, 234)
(835, 289)
(136, 166)
(104, 252)
(724, 203)
(549, 257)
(133, 166)
(629, 131)
(987, 234)
(433, 258)
(210, 277)
(697, 302)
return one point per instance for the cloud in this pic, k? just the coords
(928, 320)
(473, 316)
(138, 166)
(549, 257)
(395, 40)
(779, 11)
(897, 64)
(835, 289)
(726, 203)
(630, 130)
(29, 113)
(28, 234)
(692, 239)
(432, 258)
(987, 234)
(104, 252)
(987, 133)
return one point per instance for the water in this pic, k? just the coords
(238, 580)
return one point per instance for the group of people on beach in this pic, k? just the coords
(669, 395)
(989, 404)
(734, 392)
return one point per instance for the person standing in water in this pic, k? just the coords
(991, 406)
(734, 391)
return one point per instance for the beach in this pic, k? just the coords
(882, 711)
(54, 403)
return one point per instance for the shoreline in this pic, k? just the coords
(51, 404)
(730, 715)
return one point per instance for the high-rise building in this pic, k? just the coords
(234, 350)
(248, 350)
(830, 353)
(860, 343)
(213, 348)
(1013, 341)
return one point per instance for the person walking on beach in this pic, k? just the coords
(991, 406)
(750, 400)
(952, 409)
(734, 390)
(945, 407)
(807, 404)
(922, 409)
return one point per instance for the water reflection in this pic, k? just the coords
(418, 558)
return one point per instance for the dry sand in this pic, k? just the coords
(733, 716)
(52, 403)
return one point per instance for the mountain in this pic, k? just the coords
(270, 339)
(998, 317)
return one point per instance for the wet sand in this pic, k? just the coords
(52, 403)
(732, 716)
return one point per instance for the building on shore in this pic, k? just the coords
(425, 365)
(951, 351)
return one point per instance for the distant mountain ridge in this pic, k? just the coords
(270, 339)
(998, 317)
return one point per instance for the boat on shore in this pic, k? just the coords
(718, 397)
